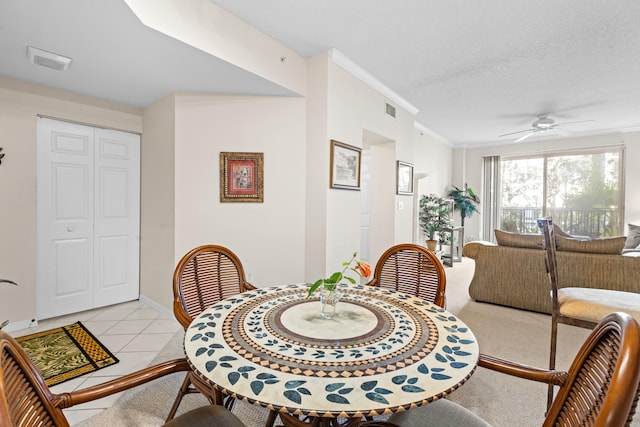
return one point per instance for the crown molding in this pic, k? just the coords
(357, 71)
(423, 129)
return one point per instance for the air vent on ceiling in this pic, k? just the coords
(391, 110)
(48, 59)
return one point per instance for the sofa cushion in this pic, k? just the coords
(609, 245)
(594, 304)
(517, 240)
(633, 238)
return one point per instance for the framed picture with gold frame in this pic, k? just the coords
(345, 166)
(404, 178)
(241, 177)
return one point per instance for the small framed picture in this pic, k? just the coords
(345, 166)
(404, 179)
(241, 177)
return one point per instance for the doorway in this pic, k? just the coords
(379, 199)
(88, 203)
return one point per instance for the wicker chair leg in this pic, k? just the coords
(184, 389)
(552, 357)
(271, 419)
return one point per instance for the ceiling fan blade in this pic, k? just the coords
(515, 133)
(522, 138)
(561, 131)
(571, 123)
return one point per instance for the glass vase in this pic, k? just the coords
(328, 301)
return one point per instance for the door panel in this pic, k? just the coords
(72, 272)
(65, 218)
(117, 209)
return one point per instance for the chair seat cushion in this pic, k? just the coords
(441, 413)
(594, 304)
(207, 416)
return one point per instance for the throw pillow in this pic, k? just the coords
(517, 240)
(609, 245)
(633, 238)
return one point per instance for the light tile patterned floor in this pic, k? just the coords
(132, 331)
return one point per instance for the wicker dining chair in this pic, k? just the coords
(26, 401)
(205, 275)
(599, 389)
(411, 269)
(582, 307)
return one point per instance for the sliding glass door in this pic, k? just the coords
(581, 191)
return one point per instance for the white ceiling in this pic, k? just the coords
(475, 70)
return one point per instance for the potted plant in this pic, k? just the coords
(434, 217)
(465, 201)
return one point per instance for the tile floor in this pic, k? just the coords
(132, 331)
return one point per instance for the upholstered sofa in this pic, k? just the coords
(512, 273)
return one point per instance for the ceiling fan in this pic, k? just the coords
(543, 123)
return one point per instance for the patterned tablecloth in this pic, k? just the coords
(381, 352)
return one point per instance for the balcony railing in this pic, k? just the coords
(594, 223)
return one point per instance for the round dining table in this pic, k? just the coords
(382, 352)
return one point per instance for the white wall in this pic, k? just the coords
(20, 104)
(157, 202)
(432, 157)
(317, 167)
(342, 107)
(382, 195)
(471, 166)
(267, 237)
(355, 107)
(632, 178)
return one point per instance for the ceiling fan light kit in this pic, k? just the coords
(543, 123)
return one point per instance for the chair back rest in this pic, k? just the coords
(414, 270)
(546, 226)
(25, 400)
(602, 386)
(205, 275)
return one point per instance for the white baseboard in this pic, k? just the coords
(157, 307)
(16, 325)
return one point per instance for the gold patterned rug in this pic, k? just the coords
(65, 353)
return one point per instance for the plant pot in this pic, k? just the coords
(432, 245)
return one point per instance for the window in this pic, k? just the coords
(580, 191)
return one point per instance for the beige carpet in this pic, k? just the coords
(501, 400)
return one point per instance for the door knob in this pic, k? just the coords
(69, 229)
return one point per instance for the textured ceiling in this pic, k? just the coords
(475, 70)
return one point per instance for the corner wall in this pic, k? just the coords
(157, 198)
(351, 107)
